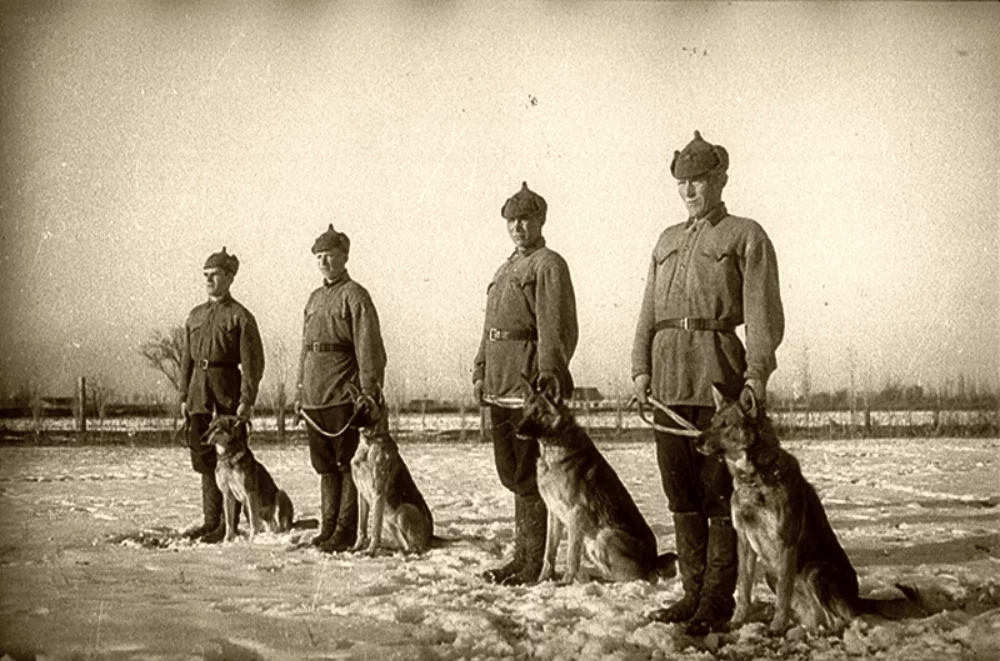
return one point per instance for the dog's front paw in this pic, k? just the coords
(359, 545)
(778, 626)
(740, 615)
(547, 574)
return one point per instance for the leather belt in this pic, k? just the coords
(497, 335)
(325, 347)
(695, 324)
(205, 364)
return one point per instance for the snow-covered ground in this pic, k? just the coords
(89, 567)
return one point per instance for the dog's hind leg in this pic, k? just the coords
(284, 512)
(410, 529)
(553, 532)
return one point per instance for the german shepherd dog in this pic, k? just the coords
(583, 493)
(780, 521)
(242, 478)
(388, 498)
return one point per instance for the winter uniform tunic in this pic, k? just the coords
(341, 344)
(530, 326)
(222, 360)
(720, 267)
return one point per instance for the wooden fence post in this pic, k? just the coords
(81, 404)
(461, 422)
(281, 411)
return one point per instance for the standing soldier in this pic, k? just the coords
(707, 276)
(530, 329)
(342, 353)
(221, 367)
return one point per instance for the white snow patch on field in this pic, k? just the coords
(91, 565)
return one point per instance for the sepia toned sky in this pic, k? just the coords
(138, 137)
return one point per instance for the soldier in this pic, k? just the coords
(707, 276)
(221, 367)
(530, 329)
(342, 353)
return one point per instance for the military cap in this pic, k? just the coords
(524, 204)
(223, 260)
(331, 239)
(699, 157)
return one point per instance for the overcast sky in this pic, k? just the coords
(137, 138)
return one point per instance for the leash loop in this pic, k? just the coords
(687, 429)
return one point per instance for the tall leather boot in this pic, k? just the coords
(535, 525)
(691, 532)
(502, 573)
(346, 531)
(211, 507)
(329, 499)
(716, 606)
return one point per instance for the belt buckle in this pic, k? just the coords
(204, 363)
(494, 335)
(314, 347)
(686, 323)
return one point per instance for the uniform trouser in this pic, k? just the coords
(332, 455)
(691, 481)
(516, 458)
(203, 458)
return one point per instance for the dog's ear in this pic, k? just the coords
(718, 397)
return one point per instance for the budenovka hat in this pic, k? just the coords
(698, 158)
(223, 260)
(525, 203)
(331, 239)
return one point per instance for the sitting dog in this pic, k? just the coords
(388, 498)
(780, 521)
(583, 493)
(242, 478)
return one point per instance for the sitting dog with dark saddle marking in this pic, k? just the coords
(241, 478)
(388, 498)
(780, 521)
(584, 494)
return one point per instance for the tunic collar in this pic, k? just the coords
(225, 298)
(527, 250)
(337, 279)
(714, 215)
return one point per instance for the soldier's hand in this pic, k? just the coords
(641, 388)
(548, 382)
(297, 408)
(184, 410)
(477, 392)
(244, 410)
(754, 392)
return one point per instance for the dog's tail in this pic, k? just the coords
(665, 567)
(910, 605)
(286, 513)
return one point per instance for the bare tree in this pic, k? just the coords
(280, 366)
(162, 352)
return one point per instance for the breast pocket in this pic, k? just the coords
(720, 268)
(527, 285)
(666, 262)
